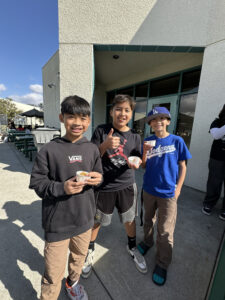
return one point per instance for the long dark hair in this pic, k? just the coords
(222, 116)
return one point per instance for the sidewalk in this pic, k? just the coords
(197, 238)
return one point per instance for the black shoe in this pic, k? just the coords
(222, 215)
(207, 210)
(159, 275)
(143, 248)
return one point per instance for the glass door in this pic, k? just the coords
(139, 118)
(185, 117)
(171, 103)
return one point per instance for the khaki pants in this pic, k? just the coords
(55, 255)
(167, 213)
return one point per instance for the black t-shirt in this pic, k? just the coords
(218, 146)
(117, 174)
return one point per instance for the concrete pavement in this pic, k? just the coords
(197, 239)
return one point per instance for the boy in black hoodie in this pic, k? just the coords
(68, 205)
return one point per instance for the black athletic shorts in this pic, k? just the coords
(124, 200)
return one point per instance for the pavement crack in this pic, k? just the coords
(105, 288)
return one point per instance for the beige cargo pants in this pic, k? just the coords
(166, 220)
(55, 255)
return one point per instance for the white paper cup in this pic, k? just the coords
(134, 160)
(151, 143)
(82, 176)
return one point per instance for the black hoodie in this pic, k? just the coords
(64, 216)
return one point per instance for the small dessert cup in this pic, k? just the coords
(82, 176)
(151, 143)
(135, 160)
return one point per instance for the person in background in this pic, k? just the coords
(165, 170)
(12, 125)
(68, 205)
(20, 128)
(216, 176)
(27, 129)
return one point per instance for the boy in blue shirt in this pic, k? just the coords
(165, 170)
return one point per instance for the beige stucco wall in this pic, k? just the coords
(144, 22)
(50, 75)
(76, 72)
(216, 22)
(209, 103)
(101, 21)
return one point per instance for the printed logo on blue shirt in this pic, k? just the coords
(161, 150)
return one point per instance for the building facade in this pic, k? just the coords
(169, 53)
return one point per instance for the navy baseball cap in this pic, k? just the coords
(158, 111)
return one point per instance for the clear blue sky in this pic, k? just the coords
(28, 38)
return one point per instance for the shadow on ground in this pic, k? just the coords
(16, 250)
(197, 239)
(14, 160)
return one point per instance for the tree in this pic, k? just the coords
(41, 106)
(8, 108)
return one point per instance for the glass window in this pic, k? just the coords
(126, 91)
(141, 91)
(167, 105)
(108, 117)
(190, 81)
(164, 86)
(110, 97)
(186, 117)
(139, 118)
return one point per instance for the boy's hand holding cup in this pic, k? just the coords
(95, 178)
(148, 145)
(134, 162)
(71, 186)
(90, 178)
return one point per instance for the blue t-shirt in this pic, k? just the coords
(162, 165)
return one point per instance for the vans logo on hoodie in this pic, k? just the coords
(75, 158)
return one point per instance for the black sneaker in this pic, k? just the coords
(207, 210)
(143, 248)
(222, 216)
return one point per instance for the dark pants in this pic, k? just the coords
(216, 179)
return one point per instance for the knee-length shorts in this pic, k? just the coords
(124, 200)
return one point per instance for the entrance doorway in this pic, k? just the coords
(171, 103)
(144, 106)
